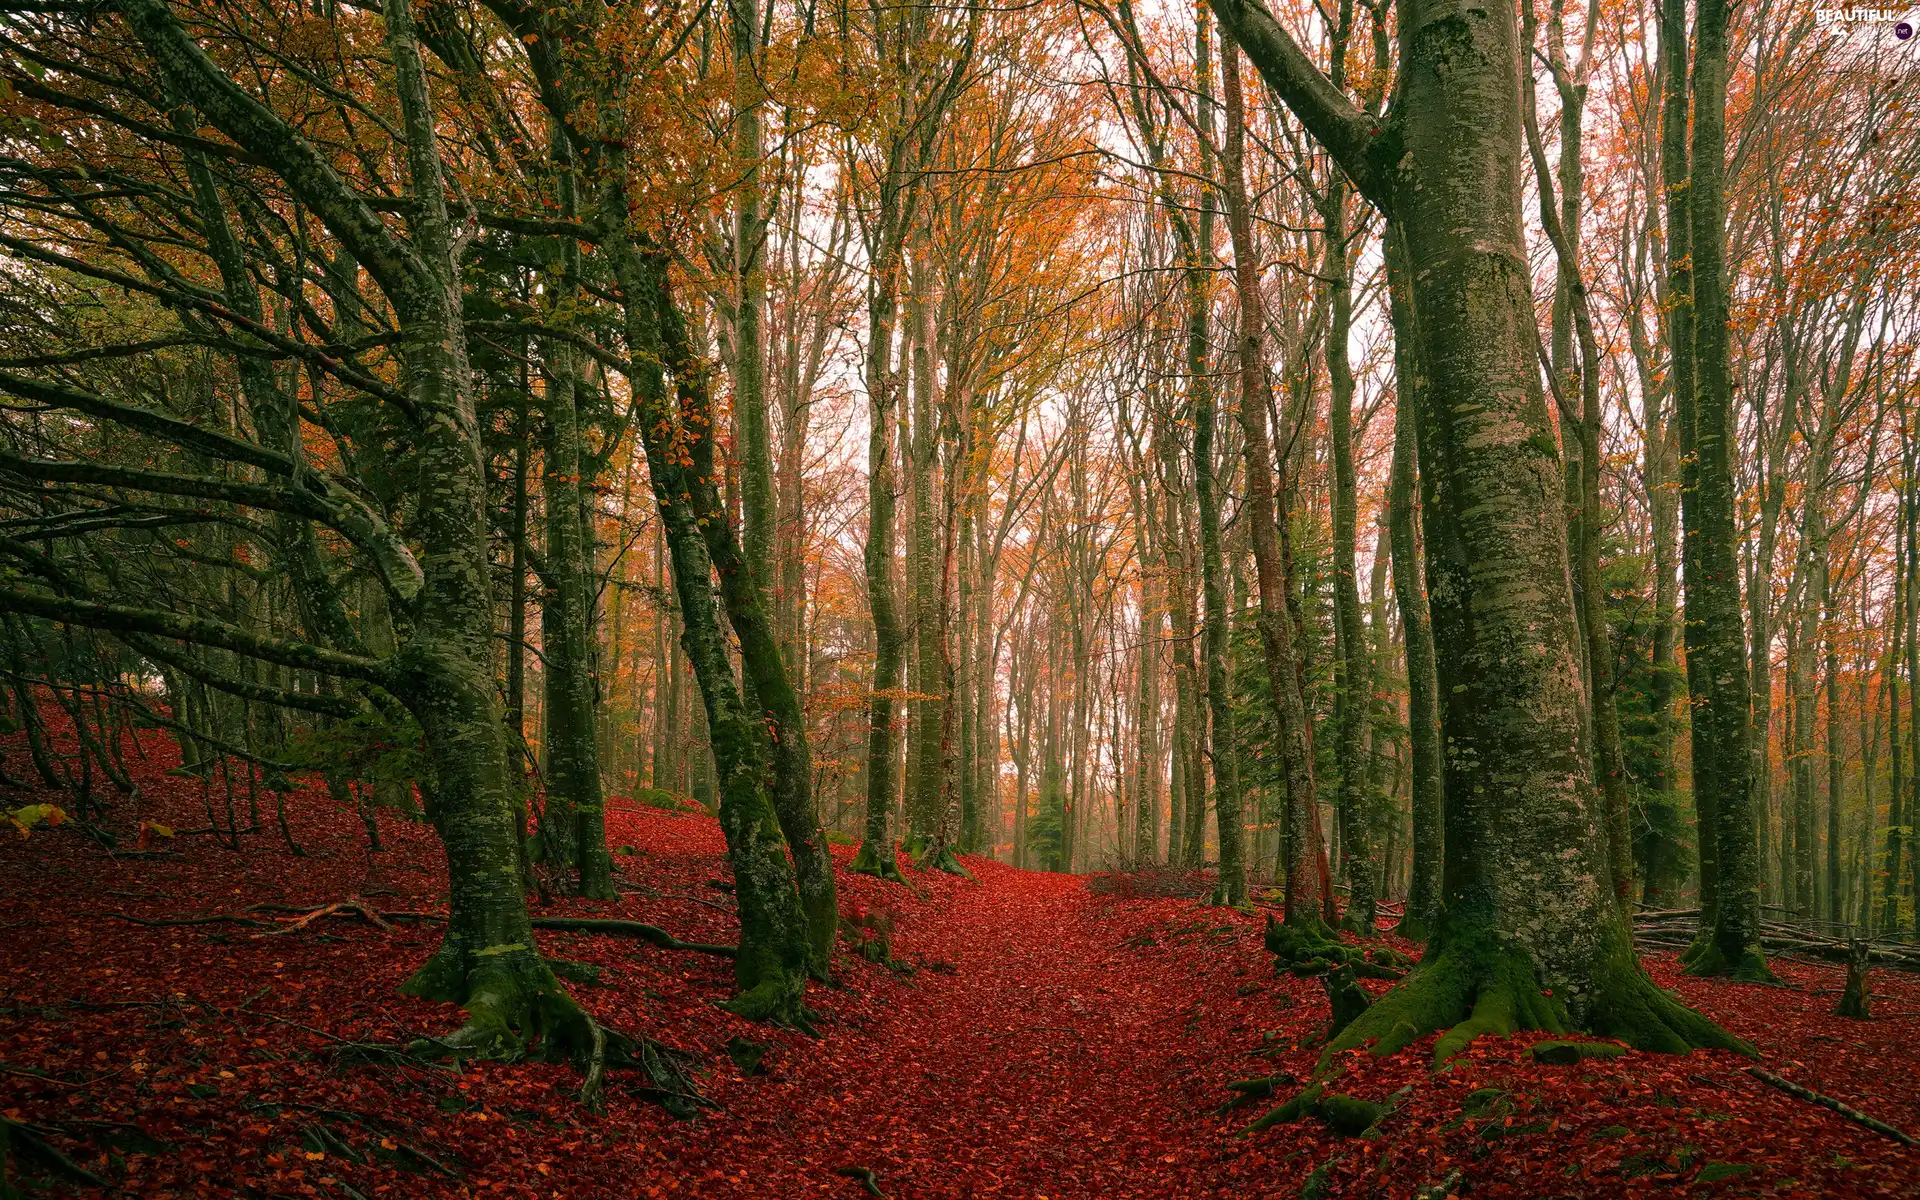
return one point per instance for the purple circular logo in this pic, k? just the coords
(1903, 30)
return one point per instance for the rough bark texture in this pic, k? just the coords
(1409, 590)
(770, 970)
(1307, 884)
(1715, 635)
(1531, 937)
(1678, 306)
(573, 826)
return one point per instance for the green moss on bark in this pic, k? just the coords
(870, 860)
(1479, 984)
(1706, 958)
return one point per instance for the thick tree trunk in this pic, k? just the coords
(779, 924)
(1531, 935)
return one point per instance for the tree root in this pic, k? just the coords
(940, 857)
(517, 1011)
(13, 1133)
(1828, 1102)
(377, 1125)
(159, 922)
(1441, 1190)
(1309, 948)
(1704, 958)
(651, 934)
(870, 861)
(1345, 997)
(1566, 1053)
(1480, 984)
(1348, 1116)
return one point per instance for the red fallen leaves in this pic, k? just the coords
(1078, 1047)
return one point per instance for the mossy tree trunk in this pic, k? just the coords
(1305, 866)
(1530, 937)
(487, 961)
(1723, 768)
(929, 705)
(771, 967)
(573, 821)
(1410, 593)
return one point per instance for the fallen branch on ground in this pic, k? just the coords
(1852, 1114)
(651, 934)
(156, 922)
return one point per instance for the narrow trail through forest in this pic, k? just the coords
(1046, 1060)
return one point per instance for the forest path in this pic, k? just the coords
(1074, 1049)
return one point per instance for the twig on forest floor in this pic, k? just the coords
(651, 934)
(351, 906)
(368, 1121)
(865, 1177)
(1828, 1102)
(29, 1139)
(155, 922)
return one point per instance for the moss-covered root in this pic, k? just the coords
(1628, 1006)
(516, 1009)
(940, 857)
(771, 983)
(1481, 984)
(1309, 947)
(1557, 1053)
(870, 860)
(1345, 997)
(1706, 958)
(1348, 1116)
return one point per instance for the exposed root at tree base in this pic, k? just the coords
(1309, 947)
(1480, 984)
(870, 861)
(941, 857)
(1706, 958)
(517, 1011)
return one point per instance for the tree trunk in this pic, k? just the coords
(573, 822)
(876, 856)
(1307, 885)
(779, 923)
(1409, 591)
(1531, 936)
(1716, 661)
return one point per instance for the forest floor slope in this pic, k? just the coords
(1040, 1038)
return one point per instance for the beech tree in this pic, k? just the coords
(1530, 936)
